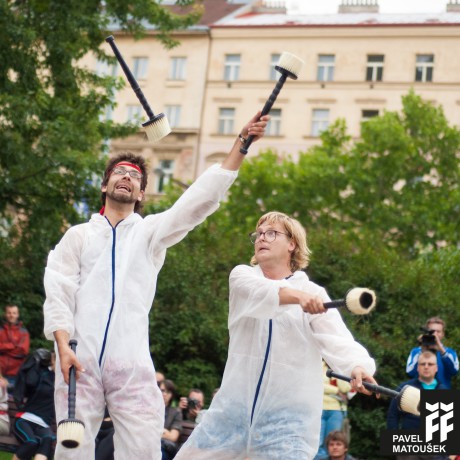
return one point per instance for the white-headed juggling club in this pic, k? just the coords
(408, 398)
(288, 66)
(157, 126)
(71, 430)
(359, 301)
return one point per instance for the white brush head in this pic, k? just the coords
(157, 128)
(70, 433)
(360, 301)
(409, 400)
(290, 63)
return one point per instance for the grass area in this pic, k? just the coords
(5, 456)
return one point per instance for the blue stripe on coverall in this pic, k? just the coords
(114, 240)
(259, 383)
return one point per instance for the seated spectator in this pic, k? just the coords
(4, 417)
(447, 359)
(34, 396)
(192, 405)
(335, 402)
(337, 447)
(173, 422)
(397, 419)
(14, 344)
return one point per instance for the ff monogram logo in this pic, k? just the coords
(442, 426)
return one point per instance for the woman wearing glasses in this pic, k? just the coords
(270, 401)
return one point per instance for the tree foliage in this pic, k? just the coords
(52, 137)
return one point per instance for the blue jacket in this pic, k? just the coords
(447, 365)
(397, 419)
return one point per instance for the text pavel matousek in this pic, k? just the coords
(415, 445)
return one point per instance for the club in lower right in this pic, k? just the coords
(408, 399)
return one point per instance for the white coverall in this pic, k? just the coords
(284, 396)
(100, 284)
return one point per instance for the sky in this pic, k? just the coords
(386, 6)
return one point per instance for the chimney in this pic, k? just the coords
(359, 6)
(453, 6)
(269, 6)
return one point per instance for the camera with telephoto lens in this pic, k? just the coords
(428, 338)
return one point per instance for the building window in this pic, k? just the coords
(140, 66)
(134, 113)
(104, 69)
(424, 67)
(368, 114)
(164, 173)
(226, 120)
(274, 74)
(374, 71)
(319, 122)
(177, 68)
(274, 125)
(232, 67)
(326, 65)
(172, 113)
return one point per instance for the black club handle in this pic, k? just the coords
(132, 81)
(72, 383)
(267, 107)
(335, 303)
(370, 386)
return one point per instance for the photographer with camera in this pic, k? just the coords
(269, 403)
(431, 340)
(191, 406)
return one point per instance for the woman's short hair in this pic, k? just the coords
(301, 254)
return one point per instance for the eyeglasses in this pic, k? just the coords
(269, 235)
(426, 364)
(119, 171)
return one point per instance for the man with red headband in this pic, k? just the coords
(96, 292)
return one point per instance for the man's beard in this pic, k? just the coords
(121, 197)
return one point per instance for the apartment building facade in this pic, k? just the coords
(358, 63)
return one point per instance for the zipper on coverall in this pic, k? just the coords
(114, 240)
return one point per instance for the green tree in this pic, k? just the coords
(51, 134)
(404, 176)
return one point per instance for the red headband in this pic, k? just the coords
(125, 163)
